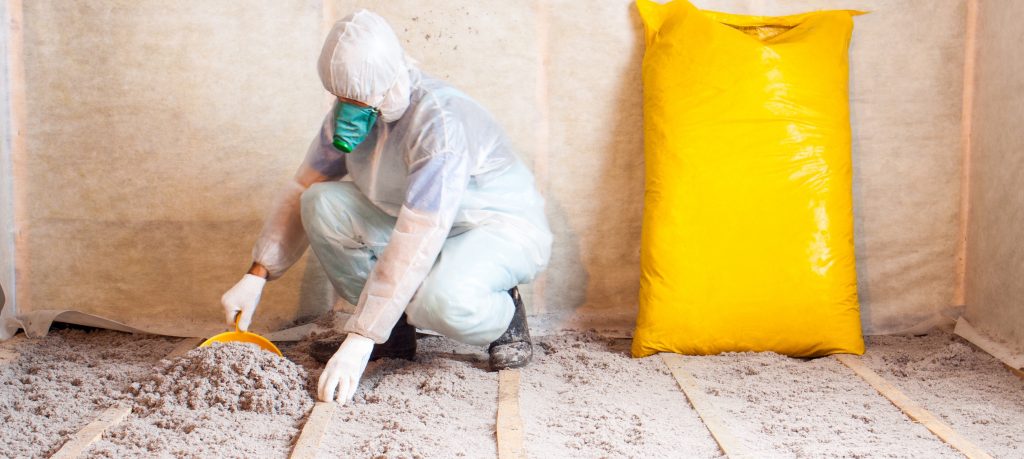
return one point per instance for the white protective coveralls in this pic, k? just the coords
(440, 217)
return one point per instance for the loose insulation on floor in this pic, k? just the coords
(583, 396)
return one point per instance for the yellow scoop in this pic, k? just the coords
(242, 336)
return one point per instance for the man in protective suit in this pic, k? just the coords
(438, 225)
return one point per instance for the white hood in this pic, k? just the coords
(363, 60)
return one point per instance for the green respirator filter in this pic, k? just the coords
(342, 145)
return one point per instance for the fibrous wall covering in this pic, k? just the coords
(995, 253)
(156, 134)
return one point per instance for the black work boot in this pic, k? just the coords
(400, 345)
(513, 349)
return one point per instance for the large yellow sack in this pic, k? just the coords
(748, 222)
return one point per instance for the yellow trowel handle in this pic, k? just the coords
(238, 318)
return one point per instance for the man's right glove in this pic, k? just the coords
(243, 297)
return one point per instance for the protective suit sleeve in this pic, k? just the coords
(437, 181)
(321, 156)
(283, 241)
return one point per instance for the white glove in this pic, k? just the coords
(344, 369)
(243, 297)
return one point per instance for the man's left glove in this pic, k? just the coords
(341, 376)
(243, 298)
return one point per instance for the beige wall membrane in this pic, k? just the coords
(595, 179)
(995, 255)
(6, 200)
(12, 148)
(159, 131)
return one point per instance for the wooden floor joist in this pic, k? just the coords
(114, 415)
(912, 409)
(183, 347)
(92, 432)
(730, 445)
(8, 356)
(1000, 351)
(1020, 374)
(9, 349)
(313, 430)
(509, 423)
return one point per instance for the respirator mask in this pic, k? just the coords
(352, 124)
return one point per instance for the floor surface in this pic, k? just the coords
(583, 396)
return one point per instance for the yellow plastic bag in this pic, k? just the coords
(748, 216)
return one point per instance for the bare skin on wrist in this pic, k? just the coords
(258, 270)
